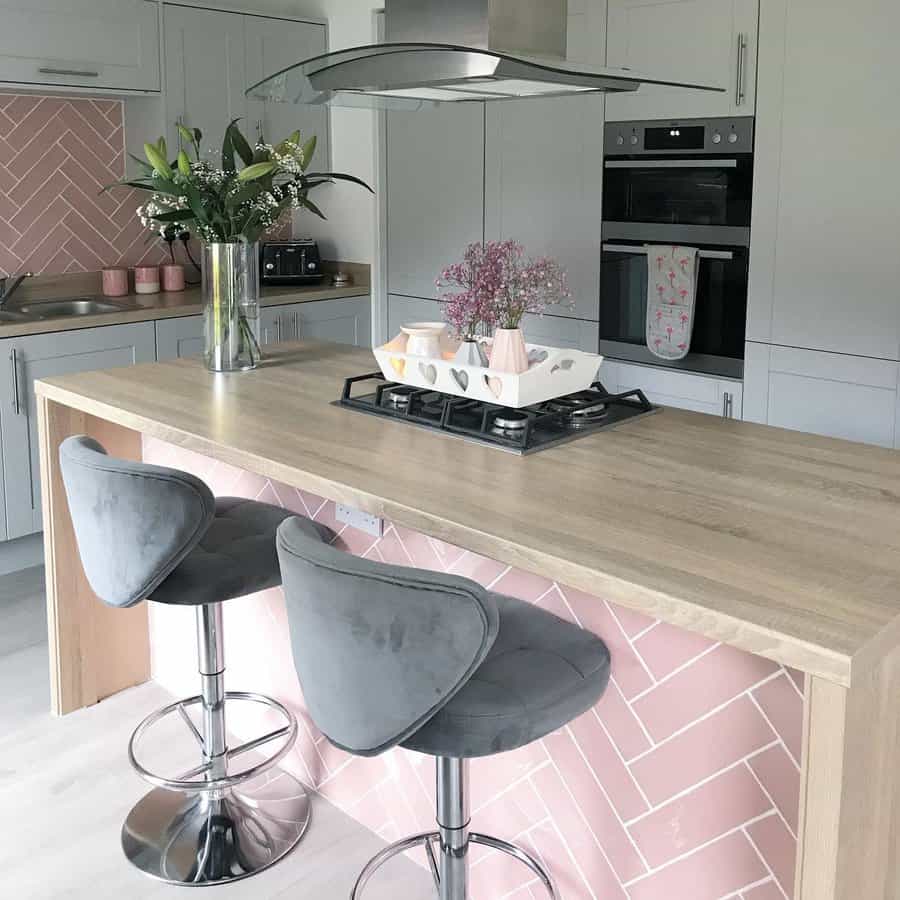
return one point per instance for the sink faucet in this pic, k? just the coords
(9, 285)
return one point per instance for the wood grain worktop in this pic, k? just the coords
(781, 543)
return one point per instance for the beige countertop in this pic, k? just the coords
(781, 543)
(150, 307)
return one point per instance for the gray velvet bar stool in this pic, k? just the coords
(147, 532)
(392, 656)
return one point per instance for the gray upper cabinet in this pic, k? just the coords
(205, 72)
(696, 41)
(543, 186)
(45, 356)
(273, 45)
(435, 193)
(824, 268)
(110, 45)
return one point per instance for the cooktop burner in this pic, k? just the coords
(519, 431)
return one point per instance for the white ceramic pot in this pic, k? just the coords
(471, 353)
(424, 338)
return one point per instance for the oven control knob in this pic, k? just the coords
(311, 267)
(270, 266)
(634, 140)
(732, 138)
(717, 138)
(620, 140)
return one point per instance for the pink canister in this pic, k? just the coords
(115, 282)
(146, 279)
(172, 277)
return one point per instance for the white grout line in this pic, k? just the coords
(763, 861)
(719, 837)
(693, 787)
(666, 678)
(762, 712)
(630, 643)
(771, 799)
(647, 630)
(634, 715)
(622, 758)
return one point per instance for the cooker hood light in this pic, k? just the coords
(452, 51)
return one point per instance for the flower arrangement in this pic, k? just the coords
(225, 204)
(499, 283)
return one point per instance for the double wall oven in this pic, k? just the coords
(688, 183)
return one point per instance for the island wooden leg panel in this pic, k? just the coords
(850, 799)
(95, 651)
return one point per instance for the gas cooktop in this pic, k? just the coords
(518, 431)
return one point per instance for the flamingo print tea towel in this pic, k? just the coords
(671, 290)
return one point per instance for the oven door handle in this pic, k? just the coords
(671, 164)
(628, 248)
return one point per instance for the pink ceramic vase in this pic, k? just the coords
(508, 353)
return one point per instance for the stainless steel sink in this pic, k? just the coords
(67, 306)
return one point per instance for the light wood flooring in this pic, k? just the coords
(66, 786)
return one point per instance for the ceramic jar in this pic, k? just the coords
(424, 338)
(146, 280)
(115, 282)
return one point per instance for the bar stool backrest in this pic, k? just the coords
(379, 649)
(134, 523)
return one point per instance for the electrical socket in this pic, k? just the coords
(356, 518)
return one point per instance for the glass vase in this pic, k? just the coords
(231, 306)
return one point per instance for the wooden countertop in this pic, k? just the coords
(151, 307)
(781, 543)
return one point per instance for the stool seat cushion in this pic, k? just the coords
(540, 673)
(236, 556)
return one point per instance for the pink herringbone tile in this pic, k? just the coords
(50, 249)
(101, 149)
(33, 123)
(703, 750)
(27, 187)
(710, 681)
(605, 762)
(667, 647)
(718, 870)
(701, 816)
(420, 549)
(777, 846)
(780, 776)
(784, 708)
(523, 585)
(630, 621)
(595, 807)
(105, 130)
(45, 209)
(622, 724)
(479, 568)
(23, 158)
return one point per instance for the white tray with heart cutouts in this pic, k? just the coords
(553, 372)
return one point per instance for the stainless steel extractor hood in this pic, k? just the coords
(443, 51)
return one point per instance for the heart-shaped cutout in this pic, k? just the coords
(398, 365)
(563, 366)
(495, 385)
(536, 356)
(461, 377)
(429, 372)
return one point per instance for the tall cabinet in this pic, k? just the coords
(212, 57)
(824, 312)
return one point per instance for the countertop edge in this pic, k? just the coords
(155, 314)
(813, 659)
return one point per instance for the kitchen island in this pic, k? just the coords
(730, 566)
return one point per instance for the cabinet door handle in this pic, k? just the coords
(297, 325)
(16, 405)
(278, 330)
(741, 93)
(73, 73)
(727, 406)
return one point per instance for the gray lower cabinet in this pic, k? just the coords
(832, 394)
(45, 356)
(682, 390)
(177, 338)
(347, 320)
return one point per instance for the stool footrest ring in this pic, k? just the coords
(196, 779)
(428, 839)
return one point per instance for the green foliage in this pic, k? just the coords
(230, 203)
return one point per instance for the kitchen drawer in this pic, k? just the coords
(346, 320)
(177, 338)
(110, 45)
(683, 390)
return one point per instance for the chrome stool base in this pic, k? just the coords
(214, 838)
(432, 839)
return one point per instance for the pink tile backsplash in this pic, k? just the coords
(693, 798)
(55, 156)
